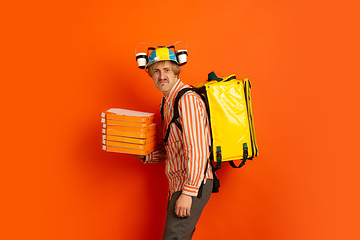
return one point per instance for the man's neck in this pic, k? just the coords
(167, 93)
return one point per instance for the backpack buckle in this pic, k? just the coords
(218, 154)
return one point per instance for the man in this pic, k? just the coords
(186, 152)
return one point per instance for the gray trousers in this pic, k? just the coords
(183, 228)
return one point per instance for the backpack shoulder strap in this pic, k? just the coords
(162, 109)
(175, 118)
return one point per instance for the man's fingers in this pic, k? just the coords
(178, 212)
(183, 206)
(187, 213)
(182, 212)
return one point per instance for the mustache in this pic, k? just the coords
(163, 79)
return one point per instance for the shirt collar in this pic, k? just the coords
(174, 90)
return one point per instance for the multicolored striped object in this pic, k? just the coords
(161, 54)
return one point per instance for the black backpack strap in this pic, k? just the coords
(175, 119)
(202, 182)
(216, 181)
(245, 157)
(176, 116)
(162, 109)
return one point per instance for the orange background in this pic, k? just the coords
(65, 62)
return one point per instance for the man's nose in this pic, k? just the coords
(162, 74)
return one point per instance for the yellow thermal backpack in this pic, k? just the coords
(228, 103)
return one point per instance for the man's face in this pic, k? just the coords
(163, 76)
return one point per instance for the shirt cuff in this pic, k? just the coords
(146, 158)
(190, 190)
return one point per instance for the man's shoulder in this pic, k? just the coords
(191, 92)
(191, 96)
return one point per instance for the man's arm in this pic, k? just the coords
(158, 155)
(196, 141)
(196, 149)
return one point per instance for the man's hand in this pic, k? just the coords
(139, 156)
(183, 206)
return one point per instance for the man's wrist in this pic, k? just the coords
(190, 190)
(186, 194)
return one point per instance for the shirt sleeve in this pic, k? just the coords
(195, 139)
(158, 155)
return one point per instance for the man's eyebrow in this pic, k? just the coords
(159, 68)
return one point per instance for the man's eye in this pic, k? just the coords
(167, 70)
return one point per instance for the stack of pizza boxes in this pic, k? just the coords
(128, 131)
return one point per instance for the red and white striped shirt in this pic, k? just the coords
(187, 151)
